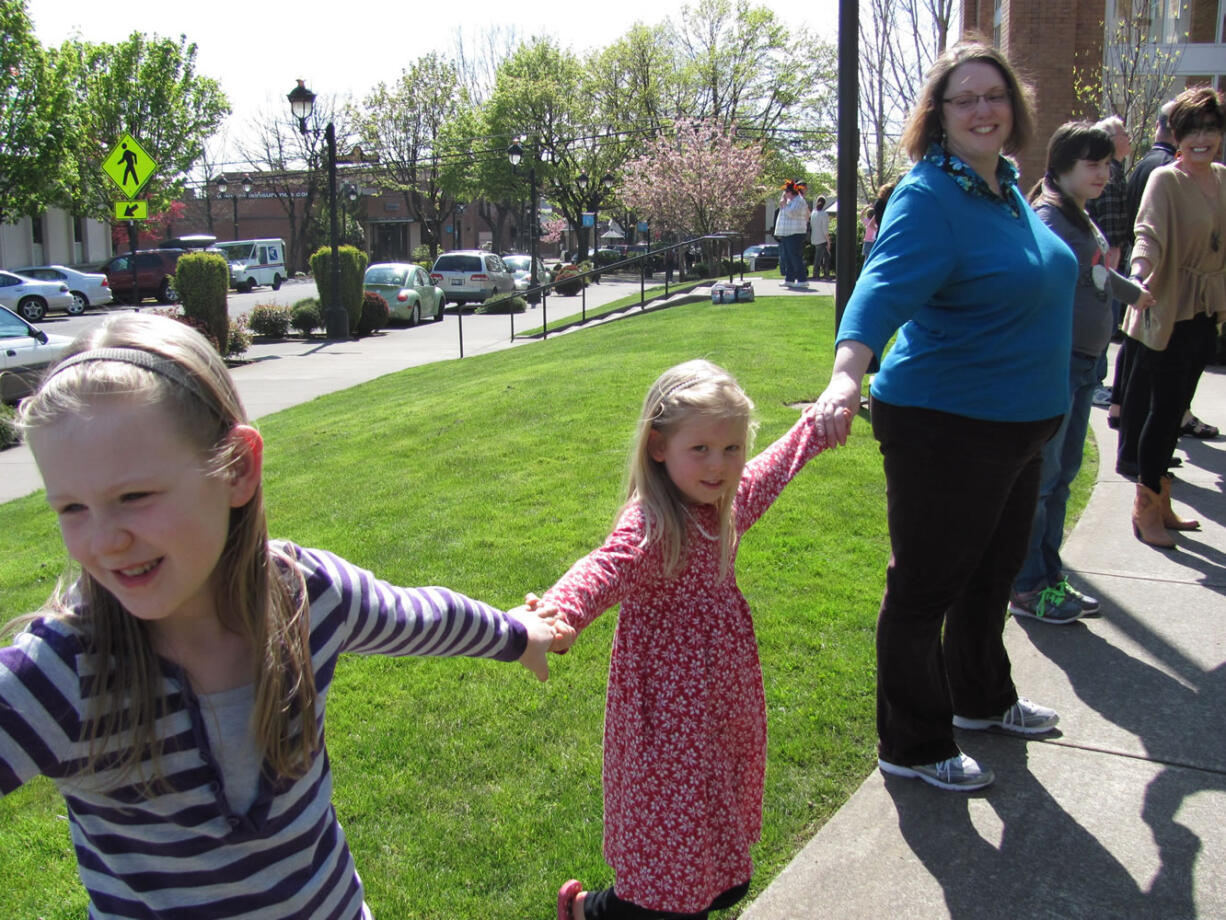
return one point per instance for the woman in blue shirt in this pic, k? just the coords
(980, 294)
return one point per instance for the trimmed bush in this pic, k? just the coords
(240, 338)
(203, 282)
(305, 316)
(353, 268)
(513, 304)
(566, 280)
(9, 435)
(269, 320)
(375, 313)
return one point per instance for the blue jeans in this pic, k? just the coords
(791, 258)
(1061, 461)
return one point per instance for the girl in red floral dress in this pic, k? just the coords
(685, 720)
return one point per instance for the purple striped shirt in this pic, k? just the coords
(184, 853)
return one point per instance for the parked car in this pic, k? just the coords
(759, 258)
(520, 266)
(471, 276)
(31, 298)
(25, 354)
(408, 290)
(154, 268)
(88, 289)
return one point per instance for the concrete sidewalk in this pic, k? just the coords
(1120, 814)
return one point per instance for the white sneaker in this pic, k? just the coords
(1022, 718)
(960, 773)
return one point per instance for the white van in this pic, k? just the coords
(255, 262)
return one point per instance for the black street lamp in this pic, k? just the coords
(515, 153)
(222, 185)
(302, 104)
(606, 182)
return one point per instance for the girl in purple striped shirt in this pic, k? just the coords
(175, 691)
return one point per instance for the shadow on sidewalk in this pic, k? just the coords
(1012, 851)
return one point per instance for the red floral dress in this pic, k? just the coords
(685, 720)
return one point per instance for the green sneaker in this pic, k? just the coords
(1088, 604)
(1051, 605)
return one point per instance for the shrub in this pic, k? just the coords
(375, 314)
(269, 320)
(700, 270)
(305, 316)
(512, 304)
(203, 282)
(9, 435)
(566, 280)
(240, 338)
(353, 267)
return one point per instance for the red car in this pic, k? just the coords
(154, 268)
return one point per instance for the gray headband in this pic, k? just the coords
(139, 358)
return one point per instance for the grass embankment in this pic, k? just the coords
(467, 789)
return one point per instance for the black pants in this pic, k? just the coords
(1160, 388)
(606, 905)
(960, 500)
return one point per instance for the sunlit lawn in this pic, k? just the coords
(467, 789)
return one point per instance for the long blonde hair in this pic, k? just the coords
(259, 594)
(695, 389)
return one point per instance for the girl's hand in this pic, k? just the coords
(540, 638)
(563, 633)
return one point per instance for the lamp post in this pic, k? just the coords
(515, 154)
(222, 185)
(606, 183)
(302, 104)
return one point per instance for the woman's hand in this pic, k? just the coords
(836, 407)
(1145, 301)
(840, 401)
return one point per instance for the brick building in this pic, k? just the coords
(1046, 39)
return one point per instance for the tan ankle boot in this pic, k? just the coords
(1147, 519)
(1170, 520)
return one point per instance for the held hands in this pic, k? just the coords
(836, 407)
(547, 631)
(1145, 301)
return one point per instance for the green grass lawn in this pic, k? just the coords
(468, 789)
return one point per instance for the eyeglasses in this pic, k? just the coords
(997, 98)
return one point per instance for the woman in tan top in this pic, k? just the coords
(1180, 256)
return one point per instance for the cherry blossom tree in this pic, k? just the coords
(698, 178)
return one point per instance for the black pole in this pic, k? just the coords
(234, 201)
(132, 250)
(848, 155)
(336, 318)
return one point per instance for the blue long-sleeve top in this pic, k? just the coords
(980, 292)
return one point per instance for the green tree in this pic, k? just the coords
(147, 87)
(403, 123)
(545, 95)
(37, 125)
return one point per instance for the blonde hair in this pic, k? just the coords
(259, 593)
(695, 389)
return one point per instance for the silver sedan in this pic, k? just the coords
(32, 299)
(88, 289)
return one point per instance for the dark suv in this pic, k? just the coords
(153, 270)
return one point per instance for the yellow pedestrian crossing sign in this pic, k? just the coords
(132, 210)
(129, 166)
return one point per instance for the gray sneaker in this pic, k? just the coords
(1051, 605)
(1022, 718)
(960, 773)
(1088, 604)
